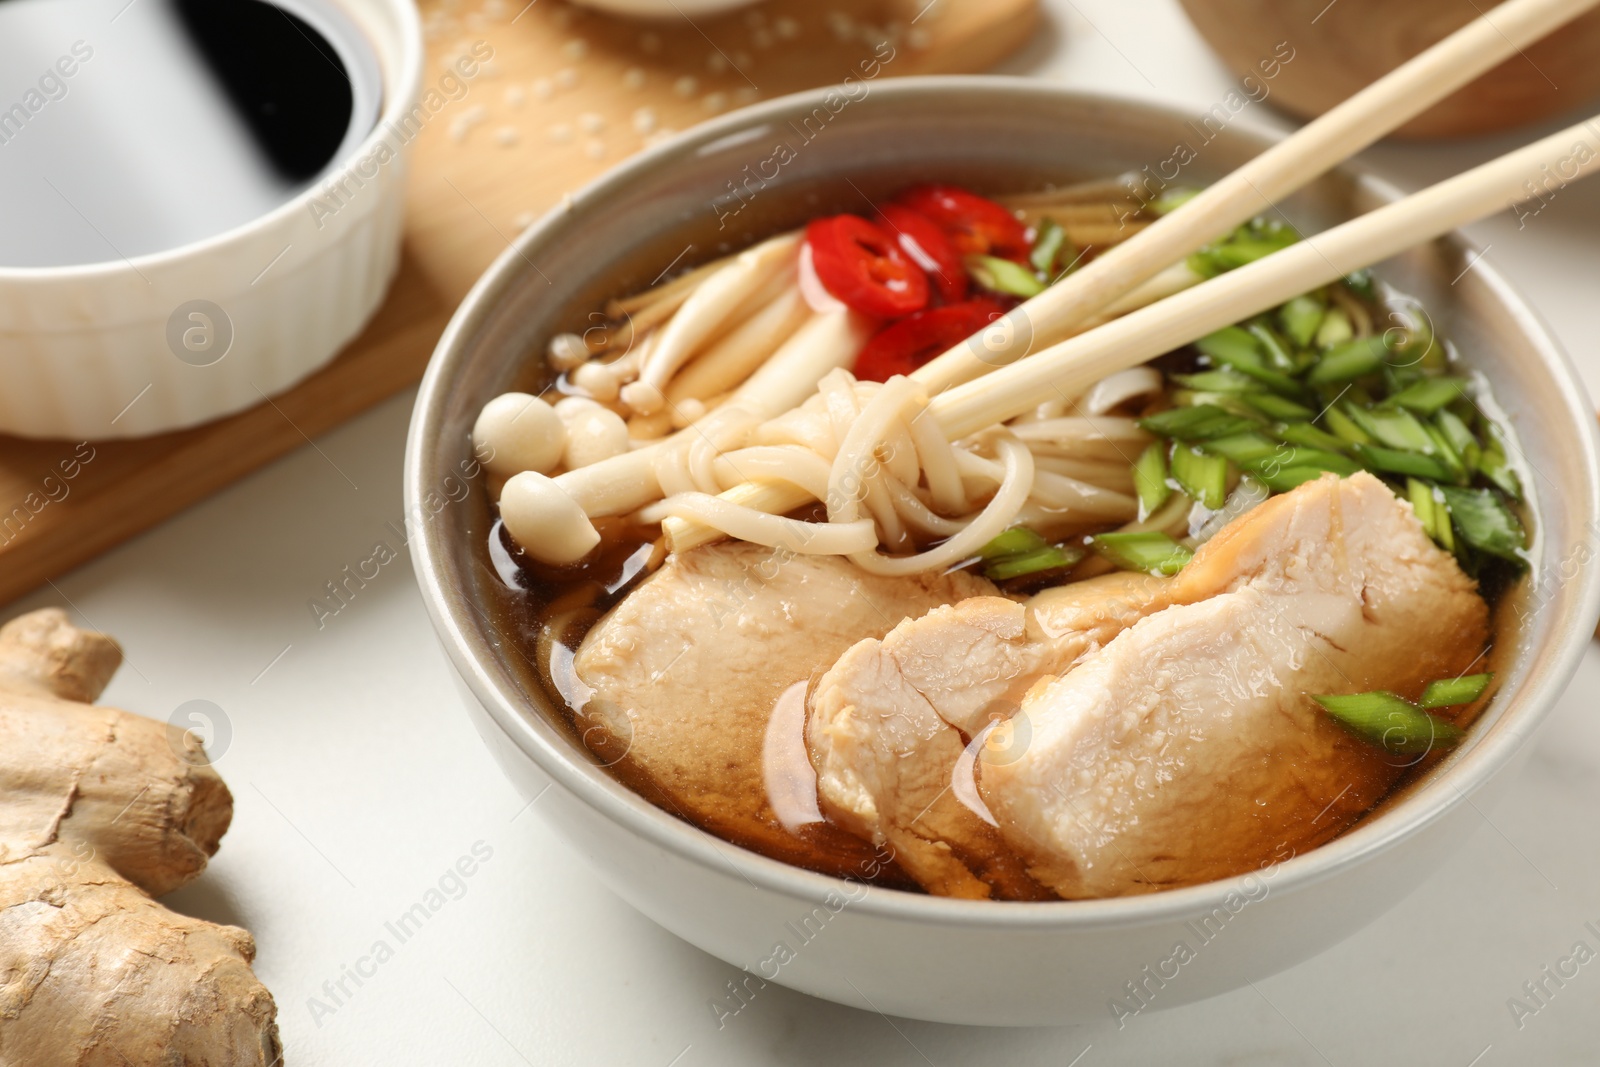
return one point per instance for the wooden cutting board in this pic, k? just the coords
(566, 94)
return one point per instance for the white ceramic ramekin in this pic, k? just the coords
(163, 341)
(964, 961)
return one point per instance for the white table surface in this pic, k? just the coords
(358, 779)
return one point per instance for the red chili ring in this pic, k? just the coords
(976, 225)
(903, 346)
(864, 267)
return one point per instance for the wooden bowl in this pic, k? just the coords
(1353, 42)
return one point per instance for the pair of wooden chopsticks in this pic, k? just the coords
(971, 394)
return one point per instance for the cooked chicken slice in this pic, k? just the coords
(887, 721)
(1189, 748)
(686, 670)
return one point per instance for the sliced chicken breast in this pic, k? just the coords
(890, 721)
(1189, 748)
(683, 676)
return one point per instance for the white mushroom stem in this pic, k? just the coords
(627, 482)
(706, 310)
(741, 353)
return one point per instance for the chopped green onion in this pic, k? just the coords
(1283, 479)
(1277, 407)
(1493, 465)
(1235, 348)
(1335, 329)
(1449, 692)
(1431, 512)
(1346, 428)
(1244, 252)
(1219, 381)
(1171, 200)
(1429, 395)
(1200, 422)
(1396, 428)
(1013, 542)
(1202, 476)
(1393, 461)
(1272, 346)
(1003, 276)
(1360, 282)
(1304, 433)
(1396, 725)
(1300, 318)
(1230, 345)
(1447, 453)
(1245, 449)
(1485, 522)
(1420, 494)
(1150, 479)
(1461, 439)
(1349, 361)
(1316, 459)
(1150, 551)
(1050, 558)
(1048, 249)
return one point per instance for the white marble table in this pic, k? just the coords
(359, 781)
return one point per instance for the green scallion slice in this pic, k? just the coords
(1171, 200)
(1361, 283)
(1334, 330)
(1485, 522)
(1300, 318)
(1315, 458)
(1429, 395)
(1493, 465)
(1449, 692)
(1230, 345)
(1393, 461)
(1051, 249)
(1431, 512)
(1202, 476)
(1396, 428)
(1196, 423)
(1461, 439)
(1304, 433)
(1003, 276)
(1278, 356)
(1150, 479)
(1348, 361)
(1050, 558)
(1283, 479)
(1016, 541)
(1245, 449)
(1384, 719)
(1219, 381)
(1151, 551)
(1346, 428)
(1277, 407)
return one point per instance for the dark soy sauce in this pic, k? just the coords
(129, 127)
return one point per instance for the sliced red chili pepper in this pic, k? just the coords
(922, 240)
(863, 266)
(976, 226)
(903, 346)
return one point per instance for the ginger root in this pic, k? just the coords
(100, 811)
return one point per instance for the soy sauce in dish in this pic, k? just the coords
(131, 127)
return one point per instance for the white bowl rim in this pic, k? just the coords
(592, 784)
(399, 92)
